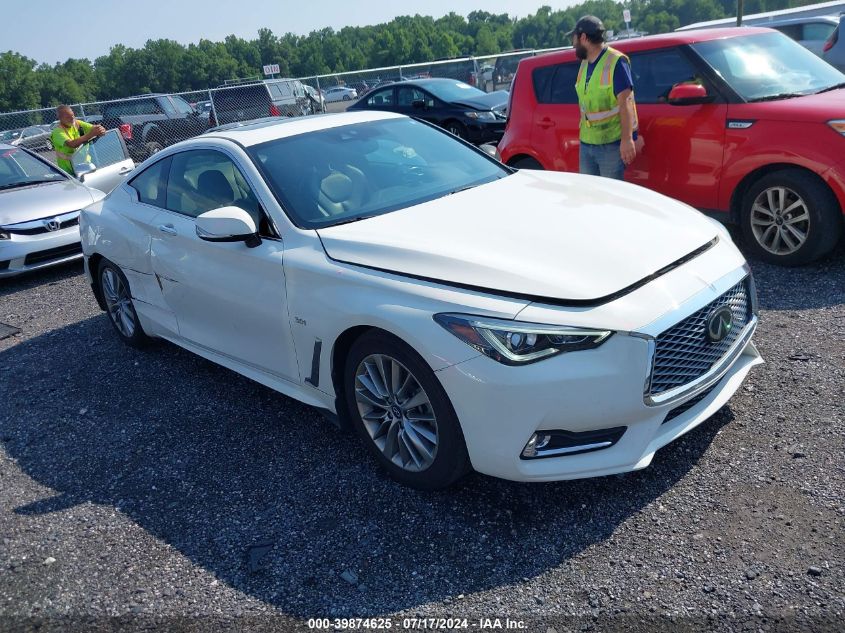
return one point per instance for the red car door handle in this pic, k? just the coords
(546, 123)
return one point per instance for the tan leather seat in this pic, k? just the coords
(343, 191)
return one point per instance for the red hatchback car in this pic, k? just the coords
(744, 124)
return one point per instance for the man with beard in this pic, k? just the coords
(608, 128)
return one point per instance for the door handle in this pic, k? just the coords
(167, 228)
(546, 123)
(124, 170)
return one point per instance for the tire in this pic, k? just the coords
(427, 451)
(526, 163)
(790, 218)
(457, 128)
(347, 98)
(118, 300)
(153, 147)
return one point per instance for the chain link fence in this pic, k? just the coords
(151, 122)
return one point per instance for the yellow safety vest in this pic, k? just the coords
(60, 136)
(600, 120)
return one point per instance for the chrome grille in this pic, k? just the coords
(683, 352)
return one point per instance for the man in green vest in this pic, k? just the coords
(69, 135)
(605, 87)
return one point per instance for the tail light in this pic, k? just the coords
(831, 40)
(274, 111)
(126, 131)
(510, 102)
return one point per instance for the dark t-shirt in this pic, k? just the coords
(622, 78)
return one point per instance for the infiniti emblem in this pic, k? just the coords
(52, 225)
(720, 323)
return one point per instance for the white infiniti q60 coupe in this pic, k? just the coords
(458, 313)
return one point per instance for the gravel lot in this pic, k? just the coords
(155, 490)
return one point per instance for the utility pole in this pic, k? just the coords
(739, 4)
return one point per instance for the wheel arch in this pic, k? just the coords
(761, 172)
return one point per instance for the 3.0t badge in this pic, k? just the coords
(720, 323)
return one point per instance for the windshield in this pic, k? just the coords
(769, 65)
(453, 90)
(18, 169)
(356, 171)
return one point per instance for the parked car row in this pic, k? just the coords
(744, 124)
(457, 107)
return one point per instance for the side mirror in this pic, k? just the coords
(83, 169)
(228, 224)
(689, 94)
(419, 104)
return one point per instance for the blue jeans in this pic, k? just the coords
(602, 160)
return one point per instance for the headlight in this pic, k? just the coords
(5, 235)
(838, 126)
(515, 343)
(481, 116)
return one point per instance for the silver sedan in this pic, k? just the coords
(39, 212)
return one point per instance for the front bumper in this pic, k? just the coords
(501, 407)
(588, 396)
(24, 253)
(482, 132)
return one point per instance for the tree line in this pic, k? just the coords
(167, 66)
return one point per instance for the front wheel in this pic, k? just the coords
(456, 128)
(153, 147)
(118, 300)
(403, 414)
(790, 218)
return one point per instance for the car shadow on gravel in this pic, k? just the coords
(45, 276)
(263, 493)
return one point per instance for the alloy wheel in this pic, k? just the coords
(118, 302)
(780, 220)
(397, 413)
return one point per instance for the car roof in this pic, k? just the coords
(262, 130)
(431, 81)
(829, 19)
(650, 42)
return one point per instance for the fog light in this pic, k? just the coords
(537, 442)
(559, 442)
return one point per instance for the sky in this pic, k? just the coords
(55, 30)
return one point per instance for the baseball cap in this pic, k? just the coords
(589, 24)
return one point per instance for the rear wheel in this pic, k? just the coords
(118, 300)
(153, 147)
(403, 414)
(790, 218)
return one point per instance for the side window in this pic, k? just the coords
(108, 150)
(203, 180)
(556, 84)
(151, 184)
(406, 95)
(381, 98)
(817, 31)
(164, 103)
(655, 73)
(182, 106)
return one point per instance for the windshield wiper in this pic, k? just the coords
(782, 95)
(460, 189)
(15, 185)
(351, 220)
(829, 88)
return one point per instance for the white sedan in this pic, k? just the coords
(458, 313)
(340, 93)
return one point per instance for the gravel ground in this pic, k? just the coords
(155, 490)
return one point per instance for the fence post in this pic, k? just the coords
(320, 95)
(400, 73)
(213, 109)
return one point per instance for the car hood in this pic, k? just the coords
(543, 235)
(491, 101)
(818, 108)
(44, 201)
